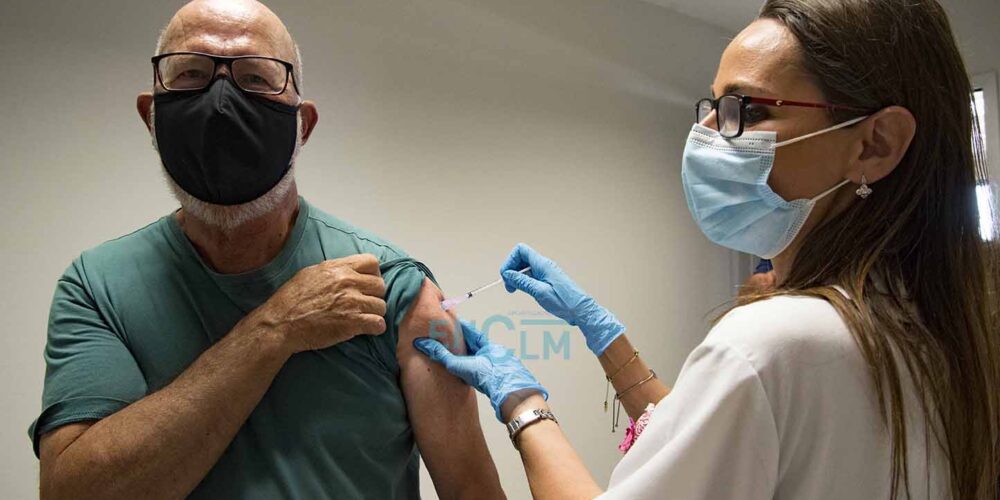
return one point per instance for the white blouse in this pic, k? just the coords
(775, 403)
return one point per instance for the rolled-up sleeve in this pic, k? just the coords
(89, 371)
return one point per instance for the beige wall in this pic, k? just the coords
(975, 23)
(454, 128)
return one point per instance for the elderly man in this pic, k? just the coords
(247, 345)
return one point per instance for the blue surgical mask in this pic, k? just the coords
(725, 182)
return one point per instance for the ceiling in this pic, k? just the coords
(730, 15)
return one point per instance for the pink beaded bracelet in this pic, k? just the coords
(635, 428)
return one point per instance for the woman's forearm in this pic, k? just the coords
(629, 374)
(553, 468)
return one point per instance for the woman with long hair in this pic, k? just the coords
(840, 143)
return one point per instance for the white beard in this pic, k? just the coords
(228, 217)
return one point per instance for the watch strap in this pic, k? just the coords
(518, 423)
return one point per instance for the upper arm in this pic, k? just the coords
(443, 409)
(89, 371)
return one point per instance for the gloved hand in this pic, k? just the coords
(492, 369)
(558, 295)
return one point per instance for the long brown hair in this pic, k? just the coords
(923, 283)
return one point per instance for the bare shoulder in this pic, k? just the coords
(426, 318)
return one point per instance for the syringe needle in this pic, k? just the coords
(454, 301)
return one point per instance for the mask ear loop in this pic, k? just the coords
(826, 193)
(848, 123)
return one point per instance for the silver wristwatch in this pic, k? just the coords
(515, 426)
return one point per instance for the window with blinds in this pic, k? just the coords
(984, 188)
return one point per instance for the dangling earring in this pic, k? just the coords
(864, 190)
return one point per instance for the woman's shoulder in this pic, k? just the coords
(803, 356)
(788, 332)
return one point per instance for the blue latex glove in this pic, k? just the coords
(492, 369)
(558, 295)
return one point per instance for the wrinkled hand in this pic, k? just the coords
(491, 369)
(326, 304)
(560, 296)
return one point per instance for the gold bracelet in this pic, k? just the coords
(652, 375)
(607, 386)
(635, 355)
(617, 412)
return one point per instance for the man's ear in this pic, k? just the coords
(143, 104)
(885, 138)
(310, 117)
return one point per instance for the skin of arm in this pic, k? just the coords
(164, 444)
(615, 362)
(443, 409)
(554, 469)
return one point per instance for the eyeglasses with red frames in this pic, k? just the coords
(732, 110)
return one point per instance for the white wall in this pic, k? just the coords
(975, 26)
(453, 128)
(975, 23)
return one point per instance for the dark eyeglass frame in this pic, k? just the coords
(226, 61)
(746, 101)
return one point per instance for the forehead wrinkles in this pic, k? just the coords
(229, 32)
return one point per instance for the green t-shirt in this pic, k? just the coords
(133, 313)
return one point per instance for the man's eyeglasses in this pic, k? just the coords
(185, 71)
(731, 110)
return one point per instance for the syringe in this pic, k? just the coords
(454, 301)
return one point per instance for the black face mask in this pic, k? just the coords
(222, 145)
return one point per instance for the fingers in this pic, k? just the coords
(520, 257)
(517, 259)
(364, 263)
(434, 350)
(466, 368)
(360, 272)
(514, 280)
(473, 339)
(371, 305)
(367, 284)
(371, 324)
(515, 262)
